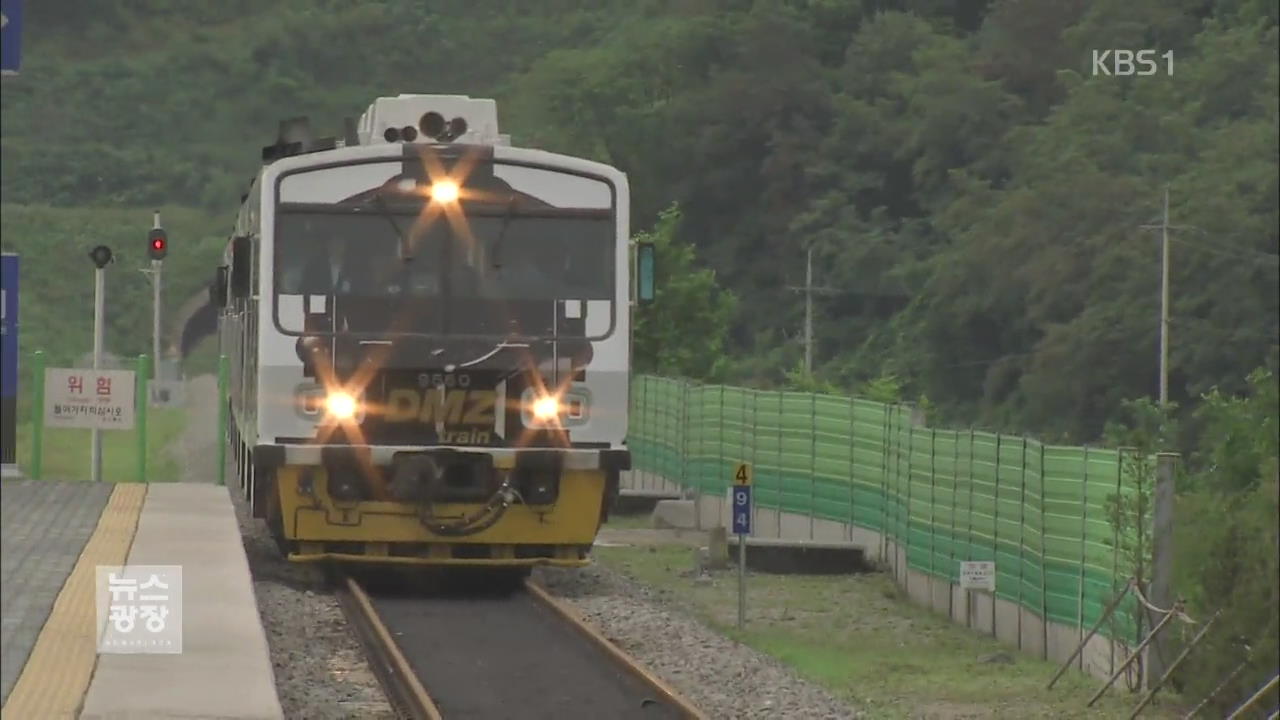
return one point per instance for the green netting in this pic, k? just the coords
(945, 496)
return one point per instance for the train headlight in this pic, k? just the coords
(546, 408)
(444, 191)
(567, 409)
(341, 405)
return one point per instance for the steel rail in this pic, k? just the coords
(624, 661)
(404, 691)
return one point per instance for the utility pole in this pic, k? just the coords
(809, 290)
(1164, 227)
(1164, 302)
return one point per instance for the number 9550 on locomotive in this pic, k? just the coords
(429, 337)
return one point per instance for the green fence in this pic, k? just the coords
(1039, 511)
(135, 455)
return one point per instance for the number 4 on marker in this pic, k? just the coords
(742, 475)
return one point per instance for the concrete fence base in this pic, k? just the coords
(1012, 625)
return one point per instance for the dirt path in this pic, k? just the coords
(197, 452)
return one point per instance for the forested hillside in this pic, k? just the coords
(973, 194)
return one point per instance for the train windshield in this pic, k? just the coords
(516, 258)
(516, 239)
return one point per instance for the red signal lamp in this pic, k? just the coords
(157, 244)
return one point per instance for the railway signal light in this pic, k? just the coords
(101, 256)
(157, 244)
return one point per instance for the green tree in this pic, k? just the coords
(684, 332)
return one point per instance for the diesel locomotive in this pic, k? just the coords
(428, 334)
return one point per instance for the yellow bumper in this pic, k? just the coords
(392, 532)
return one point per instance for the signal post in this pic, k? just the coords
(157, 248)
(101, 257)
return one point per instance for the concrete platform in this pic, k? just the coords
(224, 669)
(632, 501)
(56, 536)
(807, 557)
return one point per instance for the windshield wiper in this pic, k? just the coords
(406, 253)
(502, 231)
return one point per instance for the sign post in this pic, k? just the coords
(742, 528)
(8, 365)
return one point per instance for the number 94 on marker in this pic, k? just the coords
(741, 509)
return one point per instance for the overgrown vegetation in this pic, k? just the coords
(1228, 543)
(1226, 536)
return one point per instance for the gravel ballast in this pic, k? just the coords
(722, 678)
(321, 669)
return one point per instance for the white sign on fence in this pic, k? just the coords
(75, 398)
(978, 576)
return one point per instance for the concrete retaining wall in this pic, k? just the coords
(1012, 625)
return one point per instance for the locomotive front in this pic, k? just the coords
(443, 360)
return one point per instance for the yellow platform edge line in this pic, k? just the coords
(56, 676)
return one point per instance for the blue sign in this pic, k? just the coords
(10, 35)
(8, 325)
(741, 509)
(8, 358)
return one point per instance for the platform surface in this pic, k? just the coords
(224, 670)
(55, 535)
(43, 528)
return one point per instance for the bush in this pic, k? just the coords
(1228, 544)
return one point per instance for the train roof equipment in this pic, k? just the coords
(404, 118)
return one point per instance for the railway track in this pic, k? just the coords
(481, 655)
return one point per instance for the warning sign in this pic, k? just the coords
(978, 576)
(101, 399)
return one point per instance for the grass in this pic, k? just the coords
(862, 639)
(629, 522)
(67, 453)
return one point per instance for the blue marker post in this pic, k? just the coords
(8, 365)
(742, 528)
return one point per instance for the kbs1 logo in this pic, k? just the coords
(1123, 63)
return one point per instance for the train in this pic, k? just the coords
(428, 336)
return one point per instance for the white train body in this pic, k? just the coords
(441, 323)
